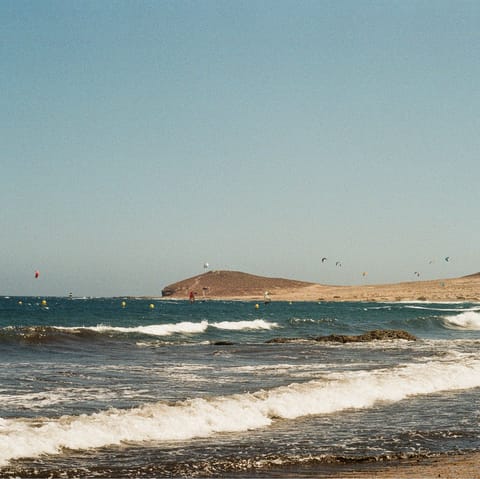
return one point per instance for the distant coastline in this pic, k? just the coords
(235, 285)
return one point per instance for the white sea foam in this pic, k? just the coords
(41, 399)
(32, 400)
(444, 309)
(241, 325)
(241, 412)
(185, 327)
(294, 371)
(411, 303)
(469, 320)
(152, 330)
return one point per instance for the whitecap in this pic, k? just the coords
(242, 325)
(468, 320)
(444, 309)
(152, 330)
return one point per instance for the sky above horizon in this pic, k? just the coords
(141, 139)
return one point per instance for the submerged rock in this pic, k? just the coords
(282, 340)
(375, 335)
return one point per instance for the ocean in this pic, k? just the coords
(91, 387)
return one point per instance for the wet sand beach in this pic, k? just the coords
(449, 467)
(465, 466)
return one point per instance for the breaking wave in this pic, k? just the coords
(476, 308)
(43, 334)
(185, 327)
(468, 320)
(245, 325)
(151, 330)
(202, 417)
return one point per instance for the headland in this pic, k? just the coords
(235, 285)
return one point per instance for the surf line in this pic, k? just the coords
(200, 417)
(182, 328)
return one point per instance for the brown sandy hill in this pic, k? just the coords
(237, 285)
(231, 284)
(471, 276)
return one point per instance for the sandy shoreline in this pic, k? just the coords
(449, 466)
(460, 466)
(466, 466)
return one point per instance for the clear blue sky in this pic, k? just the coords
(140, 139)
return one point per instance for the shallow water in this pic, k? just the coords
(91, 388)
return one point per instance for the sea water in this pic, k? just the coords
(160, 388)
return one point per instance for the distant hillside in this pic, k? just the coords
(472, 276)
(230, 284)
(237, 285)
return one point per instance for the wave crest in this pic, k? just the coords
(184, 327)
(242, 325)
(468, 320)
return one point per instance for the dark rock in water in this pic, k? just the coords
(282, 340)
(375, 335)
(223, 343)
